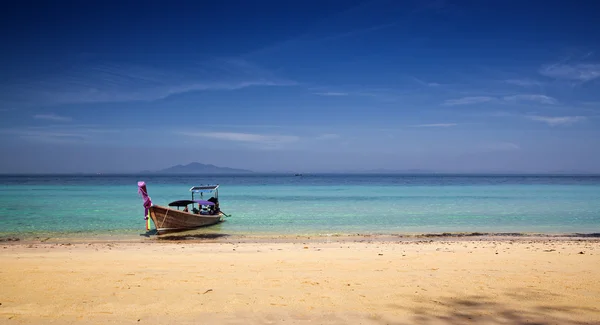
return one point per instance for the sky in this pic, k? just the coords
(303, 86)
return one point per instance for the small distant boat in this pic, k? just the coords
(195, 213)
(297, 174)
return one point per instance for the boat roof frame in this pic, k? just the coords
(204, 188)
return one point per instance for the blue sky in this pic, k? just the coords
(449, 86)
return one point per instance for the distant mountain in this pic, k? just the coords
(198, 168)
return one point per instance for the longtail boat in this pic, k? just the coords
(195, 213)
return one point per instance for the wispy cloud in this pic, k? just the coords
(266, 141)
(331, 93)
(314, 38)
(468, 100)
(543, 99)
(378, 94)
(53, 117)
(579, 72)
(123, 83)
(502, 146)
(523, 82)
(356, 32)
(245, 137)
(557, 120)
(57, 134)
(425, 83)
(335, 27)
(328, 136)
(434, 125)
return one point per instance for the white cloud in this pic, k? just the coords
(52, 117)
(580, 72)
(434, 125)
(557, 120)
(245, 137)
(468, 100)
(424, 83)
(331, 93)
(384, 95)
(543, 99)
(328, 136)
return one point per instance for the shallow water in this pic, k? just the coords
(102, 205)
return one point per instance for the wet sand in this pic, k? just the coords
(302, 280)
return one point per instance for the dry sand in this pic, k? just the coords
(325, 281)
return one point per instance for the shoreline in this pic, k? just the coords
(203, 236)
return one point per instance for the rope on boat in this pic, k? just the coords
(164, 219)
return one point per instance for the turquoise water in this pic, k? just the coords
(311, 204)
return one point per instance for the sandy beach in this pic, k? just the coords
(349, 280)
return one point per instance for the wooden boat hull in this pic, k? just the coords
(171, 220)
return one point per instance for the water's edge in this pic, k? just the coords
(194, 236)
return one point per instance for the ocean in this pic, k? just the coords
(109, 205)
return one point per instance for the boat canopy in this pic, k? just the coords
(182, 203)
(204, 188)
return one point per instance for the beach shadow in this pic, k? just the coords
(448, 234)
(178, 237)
(9, 239)
(184, 235)
(592, 235)
(487, 310)
(149, 233)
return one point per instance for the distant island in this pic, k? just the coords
(198, 168)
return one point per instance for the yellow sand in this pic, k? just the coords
(446, 281)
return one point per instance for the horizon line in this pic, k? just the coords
(322, 173)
